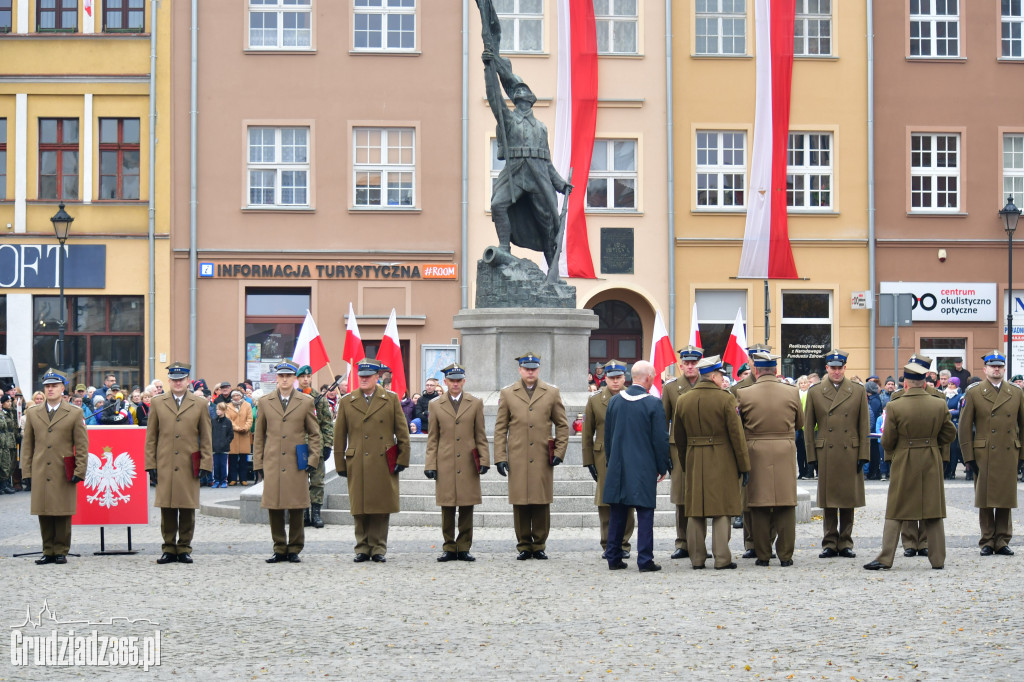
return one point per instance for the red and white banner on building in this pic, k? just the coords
(575, 123)
(766, 249)
(116, 487)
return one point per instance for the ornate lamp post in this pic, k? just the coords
(61, 226)
(1010, 215)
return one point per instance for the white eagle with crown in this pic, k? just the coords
(109, 478)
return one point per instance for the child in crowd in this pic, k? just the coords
(223, 434)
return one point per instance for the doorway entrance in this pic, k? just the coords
(619, 334)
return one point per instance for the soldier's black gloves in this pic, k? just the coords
(502, 468)
(311, 469)
(152, 475)
(327, 454)
(974, 467)
(430, 473)
(593, 471)
(483, 470)
(76, 479)
(746, 478)
(399, 468)
(556, 461)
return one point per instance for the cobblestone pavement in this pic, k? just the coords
(232, 616)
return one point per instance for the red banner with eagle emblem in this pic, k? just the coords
(116, 487)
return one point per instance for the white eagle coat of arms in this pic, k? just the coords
(108, 479)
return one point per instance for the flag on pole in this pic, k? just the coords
(353, 351)
(736, 349)
(663, 354)
(767, 252)
(309, 347)
(575, 123)
(694, 328)
(390, 353)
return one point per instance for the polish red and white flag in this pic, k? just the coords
(353, 351)
(309, 346)
(767, 252)
(736, 349)
(575, 123)
(663, 355)
(390, 354)
(694, 328)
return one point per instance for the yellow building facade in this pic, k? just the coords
(77, 128)
(713, 103)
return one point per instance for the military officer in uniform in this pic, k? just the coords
(528, 410)
(991, 424)
(836, 434)
(747, 378)
(716, 462)
(456, 441)
(54, 430)
(593, 448)
(285, 420)
(917, 430)
(670, 392)
(370, 422)
(179, 425)
(311, 517)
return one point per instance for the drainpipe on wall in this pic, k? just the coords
(464, 258)
(192, 190)
(671, 185)
(151, 322)
(871, 179)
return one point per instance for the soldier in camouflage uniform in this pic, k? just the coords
(311, 517)
(8, 444)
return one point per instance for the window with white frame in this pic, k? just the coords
(1013, 166)
(721, 27)
(616, 26)
(812, 34)
(280, 24)
(806, 331)
(522, 25)
(716, 312)
(385, 25)
(384, 167)
(934, 172)
(278, 167)
(1012, 15)
(613, 176)
(496, 164)
(809, 171)
(934, 28)
(721, 169)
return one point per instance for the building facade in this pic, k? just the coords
(76, 129)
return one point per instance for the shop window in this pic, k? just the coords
(716, 313)
(806, 331)
(273, 318)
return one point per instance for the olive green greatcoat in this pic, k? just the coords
(241, 423)
(44, 445)
(836, 435)
(521, 434)
(706, 422)
(593, 437)
(991, 423)
(172, 435)
(278, 432)
(771, 414)
(670, 393)
(930, 390)
(917, 429)
(451, 439)
(742, 383)
(363, 433)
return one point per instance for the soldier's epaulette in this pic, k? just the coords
(509, 386)
(969, 387)
(672, 380)
(552, 386)
(436, 398)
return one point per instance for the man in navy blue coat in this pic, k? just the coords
(636, 447)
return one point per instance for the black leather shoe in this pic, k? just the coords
(184, 558)
(60, 559)
(786, 563)
(524, 555)
(448, 556)
(379, 558)
(828, 553)
(1004, 551)
(761, 562)
(909, 552)
(922, 552)
(737, 522)
(936, 568)
(987, 551)
(46, 560)
(466, 556)
(625, 554)
(539, 554)
(277, 558)
(876, 566)
(360, 558)
(167, 558)
(649, 568)
(726, 567)
(293, 558)
(698, 567)
(617, 566)
(680, 554)
(847, 553)
(749, 554)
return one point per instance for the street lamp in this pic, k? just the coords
(61, 226)
(1010, 214)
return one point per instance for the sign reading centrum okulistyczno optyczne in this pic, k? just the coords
(948, 301)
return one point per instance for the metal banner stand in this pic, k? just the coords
(110, 552)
